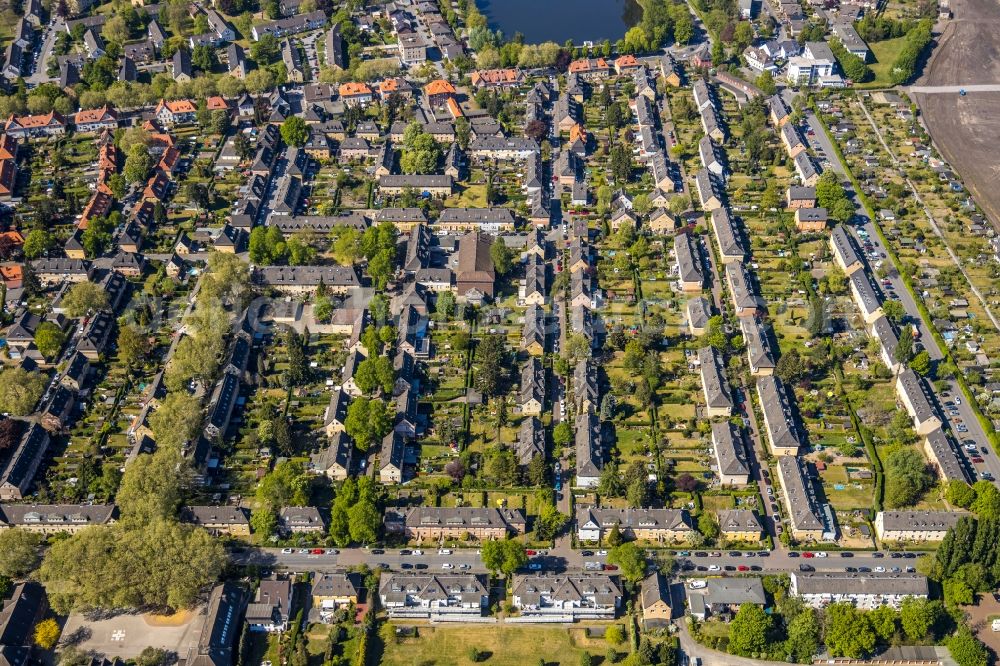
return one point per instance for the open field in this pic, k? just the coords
(964, 128)
(508, 646)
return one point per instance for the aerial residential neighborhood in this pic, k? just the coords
(428, 332)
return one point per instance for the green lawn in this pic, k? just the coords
(884, 54)
(508, 645)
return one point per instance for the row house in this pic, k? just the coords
(780, 421)
(567, 597)
(433, 596)
(654, 525)
(458, 523)
(915, 526)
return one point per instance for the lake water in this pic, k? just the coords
(559, 20)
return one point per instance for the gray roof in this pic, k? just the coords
(728, 235)
(921, 520)
(734, 591)
(688, 259)
(799, 494)
(306, 276)
(781, 423)
(56, 515)
(950, 462)
(603, 589)
(841, 583)
(713, 379)
(532, 381)
(741, 286)
(699, 312)
(844, 246)
(757, 339)
(471, 517)
(589, 449)
(415, 181)
(530, 440)
(738, 520)
(916, 392)
(730, 451)
(666, 519)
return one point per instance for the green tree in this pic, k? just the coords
(848, 632)
(960, 494)
(177, 421)
(906, 478)
(137, 164)
(84, 297)
(160, 564)
(504, 556)
(803, 636)
(133, 345)
(765, 81)
(966, 649)
(49, 339)
(748, 631)
(363, 520)
(265, 50)
(295, 131)
(502, 256)
(19, 552)
(36, 243)
(893, 310)
(904, 350)
(152, 487)
(367, 422)
(630, 560)
(421, 152)
(20, 390)
(921, 363)
(919, 616)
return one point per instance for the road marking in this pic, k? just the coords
(118, 635)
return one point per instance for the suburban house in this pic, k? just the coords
(270, 608)
(912, 393)
(800, 500)
(228, 520)
(654, 597)
(760, 351)
(718, 401)
(740, 525)
(724, 596)
(22, 465)
(333, 590)
(655, 525)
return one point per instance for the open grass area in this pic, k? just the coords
(884, 54)
(507, 645)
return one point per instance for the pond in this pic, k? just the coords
(559, 20)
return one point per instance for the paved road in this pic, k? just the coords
(694, 563)
(956, 89)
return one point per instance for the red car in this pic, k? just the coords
(530, 553)
(743, 567)
(316, 551)
(610, 567)
(808, 554)
(977, 459)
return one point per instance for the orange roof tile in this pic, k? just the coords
(439, 87)
(216, 103)
(93, 115)
(454, 108)
(11, 274)
(353, 89)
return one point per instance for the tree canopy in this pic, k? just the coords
(20, 390)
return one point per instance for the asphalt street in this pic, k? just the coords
(690, 563)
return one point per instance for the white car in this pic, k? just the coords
(447, 565)
(287, 551)
(879, 569)
(602, 553)
(820, 554)
(698, 584)
(714, 567)
(444, 551)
